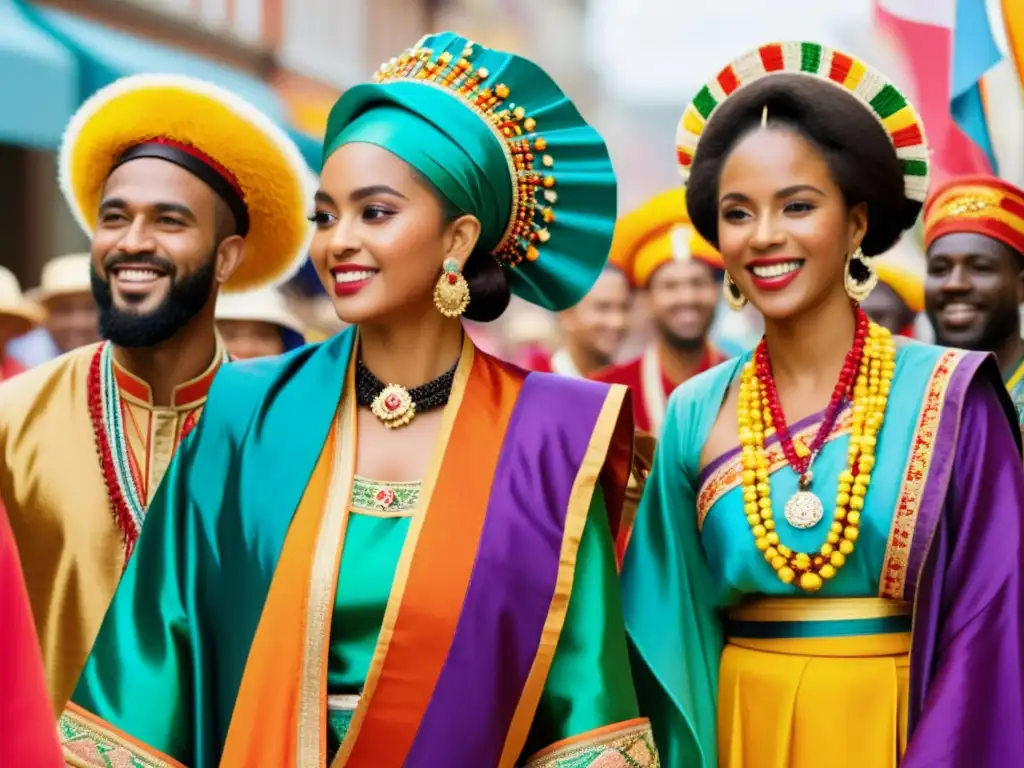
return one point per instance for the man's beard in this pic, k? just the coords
(682, 343)
(1002, 324)
(185, 299)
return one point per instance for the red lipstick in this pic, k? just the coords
(773, 273)
(349, 279)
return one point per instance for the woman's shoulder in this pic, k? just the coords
(555, 396)
(572, 386)
(241, 386)
(942, 366)
(257, 375)
(709, 385)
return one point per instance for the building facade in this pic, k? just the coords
(290, 58)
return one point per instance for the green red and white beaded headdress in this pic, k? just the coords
(871, 88)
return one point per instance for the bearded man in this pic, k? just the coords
(184, 189)
(678, 275)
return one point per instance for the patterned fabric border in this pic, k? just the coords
(626, 745)
(893, 579)
(382, 498)
(90, 743)
(729, 475)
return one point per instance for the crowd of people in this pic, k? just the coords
(530, 481)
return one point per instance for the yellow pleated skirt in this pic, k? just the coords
(835, 697)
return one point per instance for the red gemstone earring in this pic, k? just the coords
(451, 293)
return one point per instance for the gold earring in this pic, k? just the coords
(859, 287)
(733, 297)
(451, 293)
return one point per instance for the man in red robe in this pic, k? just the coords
(678, 275)
(592, 331)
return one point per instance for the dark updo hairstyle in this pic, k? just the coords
(489, 291)
(852, 141)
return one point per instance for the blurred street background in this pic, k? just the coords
(631, 65)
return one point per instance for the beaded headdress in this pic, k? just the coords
(514, 129)
(558, 189)
(871, 88)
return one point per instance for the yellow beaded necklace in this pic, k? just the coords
(870, 396)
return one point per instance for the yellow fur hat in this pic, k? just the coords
(246, 153)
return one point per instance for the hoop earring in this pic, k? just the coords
(859, 278)
(733, 297)
(451, 292)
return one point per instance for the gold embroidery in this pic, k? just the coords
(87, 744)
(967, 205)
(627, 745)
(322, 584)
(729, 475)
(893, 579)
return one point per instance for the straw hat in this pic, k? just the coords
(14, 304)
(63, 276)
(266, 305)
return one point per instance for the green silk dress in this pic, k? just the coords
(588, 665)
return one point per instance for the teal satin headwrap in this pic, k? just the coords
(472, 175)
(493, 133)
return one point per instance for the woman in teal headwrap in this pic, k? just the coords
(392, 549)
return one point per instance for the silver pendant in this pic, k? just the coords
(804, 510)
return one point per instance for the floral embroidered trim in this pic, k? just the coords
(381, 497)
(87, 744)
(729, 475)
(626, 745)
(893, 579)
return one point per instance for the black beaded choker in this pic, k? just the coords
(395, 405)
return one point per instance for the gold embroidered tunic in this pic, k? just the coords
(52, 486)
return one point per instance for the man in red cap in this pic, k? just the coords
(974, 233)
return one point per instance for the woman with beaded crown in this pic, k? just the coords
(836, 499)
(392, 549)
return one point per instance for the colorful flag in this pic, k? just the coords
(1013, 24)
(974, 54)
(924, 30)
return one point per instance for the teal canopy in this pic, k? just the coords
(104, 55)
(38, 82)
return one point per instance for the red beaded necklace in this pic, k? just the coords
(801, 463)
(104, 449)
(127, 503)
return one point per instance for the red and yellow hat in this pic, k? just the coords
(984, 205)
(222, 139)
(656, 233)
